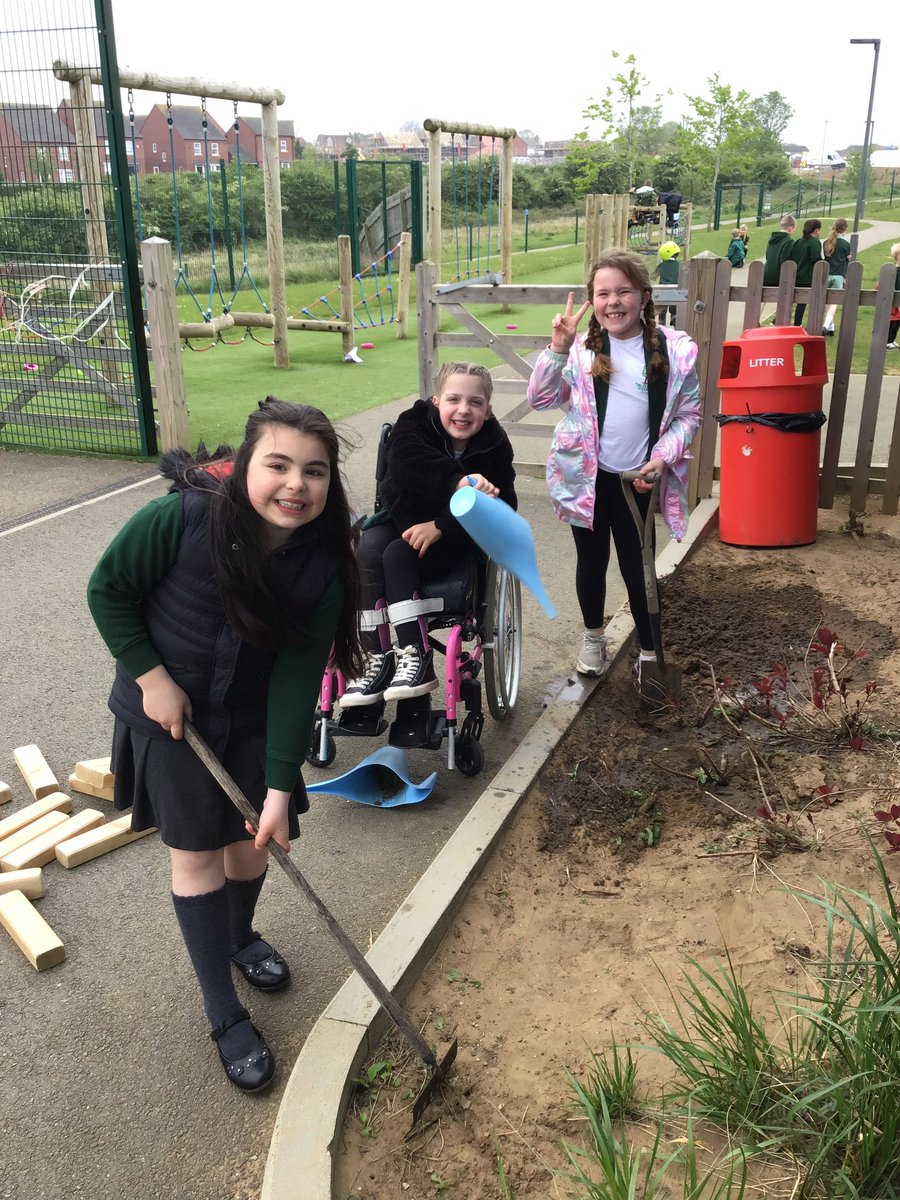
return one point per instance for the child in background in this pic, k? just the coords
(632, 402)
(778, 250)
(836, 249)
(736, 249)
(745, 238)
(666, 272)
(435, 448)
(220, 602)
(806, 252)
(895, 308)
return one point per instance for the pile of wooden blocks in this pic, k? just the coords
(47, 830)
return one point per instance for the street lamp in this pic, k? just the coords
(864, 168)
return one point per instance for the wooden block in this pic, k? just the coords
(30, 831)
(30, 883)
(95, 771)
(40, 779)
(90, 789)
(30, 931)
(5, 792)
(57, 801)
(41, 850)
(85, 846)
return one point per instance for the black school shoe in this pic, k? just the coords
(269, 974)
(252, 1072)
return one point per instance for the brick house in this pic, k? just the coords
(187, 148)
(36, 145)
(250, 135)
(134, 148)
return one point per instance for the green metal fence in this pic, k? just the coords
(74, 373)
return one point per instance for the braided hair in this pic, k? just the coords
(635, 270)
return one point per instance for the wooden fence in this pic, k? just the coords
(705, 299)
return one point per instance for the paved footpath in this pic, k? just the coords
(109, 1081)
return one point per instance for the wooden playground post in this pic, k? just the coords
(274, 236)
(428, 316)
(403, 289)
(168, 370)
(506, 213)
(345, 277)
(709, 287)
(90, 175)
(434, 197)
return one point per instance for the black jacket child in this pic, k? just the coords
(423, 469)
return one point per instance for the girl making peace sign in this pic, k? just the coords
(632, 402)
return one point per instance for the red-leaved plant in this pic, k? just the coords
(892, 837)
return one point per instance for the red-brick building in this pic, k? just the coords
(189, 147)
(36, 145)
(250, 134)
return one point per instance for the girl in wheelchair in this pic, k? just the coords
(436, 447)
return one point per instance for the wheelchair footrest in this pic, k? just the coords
(366, 720)
(416, 727)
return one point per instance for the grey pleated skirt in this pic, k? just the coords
(168, 788)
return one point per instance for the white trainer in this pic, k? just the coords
(593, 657)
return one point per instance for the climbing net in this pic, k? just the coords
(374, 301)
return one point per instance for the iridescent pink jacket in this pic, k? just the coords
(558, 382)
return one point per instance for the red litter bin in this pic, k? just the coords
(771, 417)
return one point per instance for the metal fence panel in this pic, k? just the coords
(73, 368)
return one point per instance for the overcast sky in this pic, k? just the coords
(371, 67)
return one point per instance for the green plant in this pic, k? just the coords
(613, 1076)
(457, 976)
(651, 834)
(506, 1192)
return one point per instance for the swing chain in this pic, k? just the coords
(205, 117)
(130, 107)
(237, 124)
(169, 120)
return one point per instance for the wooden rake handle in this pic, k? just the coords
(375, 985)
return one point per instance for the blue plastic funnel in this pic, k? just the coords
(381, 780)
(503, 535)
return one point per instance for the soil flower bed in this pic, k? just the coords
(675, 877)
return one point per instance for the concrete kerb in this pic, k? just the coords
(301, 1159)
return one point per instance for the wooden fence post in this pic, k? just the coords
(707, 323)
(403, 289)
(872, 394)
(274, 236)
(345, 278)
(168, 370)
(435, 247)
(428, 321)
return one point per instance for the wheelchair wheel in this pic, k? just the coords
(502, 641)
(469, 754)
(315, 746)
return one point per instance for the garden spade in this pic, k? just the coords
(660, 682)
(375, 985)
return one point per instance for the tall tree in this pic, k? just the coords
(717, 116)
(772, 113)
(625, 121)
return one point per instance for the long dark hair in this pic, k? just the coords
(635, 270)
(813, 225)
(254, 606)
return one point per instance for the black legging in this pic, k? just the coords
(892, 332)
(612, 515)
(391, 569)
